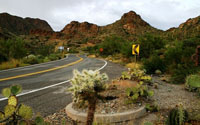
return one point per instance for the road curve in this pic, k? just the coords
(46, 91)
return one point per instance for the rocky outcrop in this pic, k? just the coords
(132, 22)
(85, 29)
(20, 25)
(188, 29)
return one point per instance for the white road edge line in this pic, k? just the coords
(18, 68)
(36, 90)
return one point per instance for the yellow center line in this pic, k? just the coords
(43, 71)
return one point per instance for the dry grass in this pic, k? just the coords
(134, 65)
(13, 63)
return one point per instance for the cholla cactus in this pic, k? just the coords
(87, 81)
(86, 86)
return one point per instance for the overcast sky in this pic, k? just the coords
(162, 14)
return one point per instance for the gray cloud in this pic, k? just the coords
(162, 14)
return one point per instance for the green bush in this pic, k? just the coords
(46, 59)
(193, 82)
(12, 48)
(91, 50)
(53, 57)
(111, 45)
(31, 59)
(134, 93)
(45, 50)
(153, 63)
(149, 44)
(73, 50)
(181, 71)
(126, 49)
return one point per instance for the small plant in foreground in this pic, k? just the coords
(15, 113)
(137, 75)
(138, 91)
(151, 107)
(177, 116)
(125, 75)
(86, 86)
(193, 83)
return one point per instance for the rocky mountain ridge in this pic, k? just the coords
(19, 26)
(130, 26)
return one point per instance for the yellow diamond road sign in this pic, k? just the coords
(136, 49)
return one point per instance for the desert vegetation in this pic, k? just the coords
(17, 52)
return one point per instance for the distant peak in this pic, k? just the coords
(131, 14)
(5, 14)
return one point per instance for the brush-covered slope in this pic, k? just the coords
(20, 25)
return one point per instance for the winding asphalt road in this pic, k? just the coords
(44, 85)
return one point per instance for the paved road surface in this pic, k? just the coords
(44, 85)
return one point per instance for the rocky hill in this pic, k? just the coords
(188, 29)
(130, 26)
(85, 29)
(18, 25)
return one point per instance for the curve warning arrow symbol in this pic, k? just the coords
(135, 49)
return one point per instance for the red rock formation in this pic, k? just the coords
(81, 29)
(132, 22)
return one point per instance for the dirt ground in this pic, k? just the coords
(167, 96)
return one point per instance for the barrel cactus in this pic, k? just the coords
(177, 116)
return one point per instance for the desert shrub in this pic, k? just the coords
(149, 44)
(126, 75)
(44, 50)
(91, 49)
(137, 75)
(111, 45)
(126, 49)
(151, 107)
(181, 71)
(177, 59)
(73, 50)
(153, 63)
(46, 59)
(53, 57)
(12, 63)
(137, 92)
(31, 59)
(12, 48)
